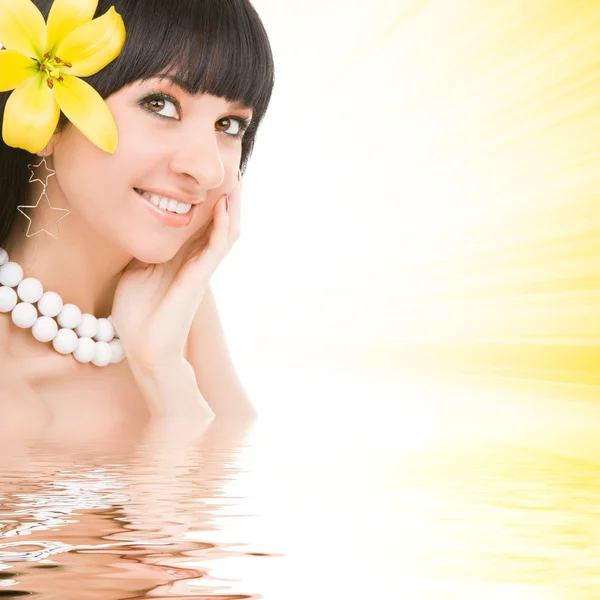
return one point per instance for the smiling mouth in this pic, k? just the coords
(166, 204)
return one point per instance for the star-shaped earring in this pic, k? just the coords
(61, 210)
(49, 174)
(43, 195)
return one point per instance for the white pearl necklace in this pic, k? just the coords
(87, 338)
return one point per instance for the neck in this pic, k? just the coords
(81, 266)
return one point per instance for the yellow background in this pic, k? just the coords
(423, 193)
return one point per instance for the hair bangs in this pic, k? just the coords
(216, 47)
(226, 59)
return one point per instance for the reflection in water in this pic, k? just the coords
(117, 526)
(481, 506)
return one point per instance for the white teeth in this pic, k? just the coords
(180, 208)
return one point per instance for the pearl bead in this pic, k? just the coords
(88, 326)
(69, 317)
(66, 341)
(50, 304)
(24, 315)
(11, 274)
(87, 338)
(85, 350)
(8, 299)
(102, 354)
(45, 329)
(106, 331)
(30, 290)
(116, 349)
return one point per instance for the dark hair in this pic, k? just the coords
(218, 47)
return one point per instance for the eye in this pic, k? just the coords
(237, 125)
(158, 102)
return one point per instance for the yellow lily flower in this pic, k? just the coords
(43, 62)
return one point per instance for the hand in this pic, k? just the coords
(155, 304)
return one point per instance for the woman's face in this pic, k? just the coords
(179, 146)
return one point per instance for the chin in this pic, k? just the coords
(154, 254)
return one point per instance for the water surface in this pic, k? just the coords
(459, 490)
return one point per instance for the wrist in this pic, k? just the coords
(170, 388)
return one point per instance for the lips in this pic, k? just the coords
(173, 219)
(171, 195)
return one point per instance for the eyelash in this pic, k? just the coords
(243, 121)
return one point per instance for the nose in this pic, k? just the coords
(197, 155)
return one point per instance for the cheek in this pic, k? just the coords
(77, 178)
(203, 216)
(92, 182)
(232, 156)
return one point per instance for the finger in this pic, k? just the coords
(193, 278)
(214, 247)
(218, 243)
(192, 249)
(235, 213)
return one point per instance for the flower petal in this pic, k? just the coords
(22, 27)
(15, 68)
(88, 111)
(65, 16)
(30, 116)
(92, 46)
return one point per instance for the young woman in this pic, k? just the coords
(150, 215)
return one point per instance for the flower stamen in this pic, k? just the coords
(51, 65)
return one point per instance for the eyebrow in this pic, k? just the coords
(178, 83)
(240, 106)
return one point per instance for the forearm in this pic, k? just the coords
(171, 390)
(208, 353)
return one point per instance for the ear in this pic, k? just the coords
(49, 149)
